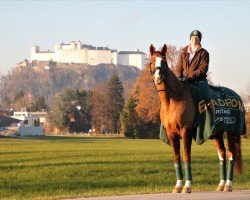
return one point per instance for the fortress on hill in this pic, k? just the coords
(78, 53)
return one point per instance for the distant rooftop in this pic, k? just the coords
(131, 52)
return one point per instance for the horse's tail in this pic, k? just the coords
(234, 143)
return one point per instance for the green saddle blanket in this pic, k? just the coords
(229, 114)
(229, 111)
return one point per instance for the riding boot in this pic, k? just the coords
(211, 109)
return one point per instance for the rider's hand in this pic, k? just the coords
(185, 79)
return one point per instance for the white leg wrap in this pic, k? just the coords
(229, 183)
(222, 183)
(179, 183)
(188, 183)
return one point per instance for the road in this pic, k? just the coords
(235, 195)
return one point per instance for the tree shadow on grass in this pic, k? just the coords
(59, 138)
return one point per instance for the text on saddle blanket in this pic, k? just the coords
(223, 105)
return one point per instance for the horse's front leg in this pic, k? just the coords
(175, 143)
(187, 142)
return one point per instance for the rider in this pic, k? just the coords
(192, 67)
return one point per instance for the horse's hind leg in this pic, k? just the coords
(219, 144)
(235, 161)
(175, 143)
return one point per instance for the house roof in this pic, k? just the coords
(131, 52)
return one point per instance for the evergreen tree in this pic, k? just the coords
(129, 118)
(39, 105)
(116, 101)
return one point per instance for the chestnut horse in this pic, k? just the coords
(177, 114)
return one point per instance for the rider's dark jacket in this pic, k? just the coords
(197, 68)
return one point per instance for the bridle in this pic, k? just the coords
(163, 70)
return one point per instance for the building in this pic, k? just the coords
(78, 53)
(75, 52)
(32, 123)
(30, 116)
(31, 127)
(132, 58)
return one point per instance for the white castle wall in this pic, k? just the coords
(132, 59)
(71, 56)
(75, 52)
(96, 57)
(114, 57)
(40, 55)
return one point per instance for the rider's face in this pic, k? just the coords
(195, 40)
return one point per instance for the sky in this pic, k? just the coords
(127, 25)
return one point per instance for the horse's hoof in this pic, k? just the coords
(186, 190)
(228, 188)
(177, 190)
(220, 188)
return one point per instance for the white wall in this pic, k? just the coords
(114, 58)
(75, 53)
(31, 131)
(71, 56)
(123, 59)
(96, 57)
(133, 59)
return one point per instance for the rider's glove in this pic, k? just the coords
(185, 79)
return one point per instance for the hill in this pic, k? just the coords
(36, 82)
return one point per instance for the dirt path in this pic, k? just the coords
(235, 195)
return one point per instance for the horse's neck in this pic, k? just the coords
(173, 83)
(171, 89)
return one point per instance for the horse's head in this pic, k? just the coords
(158, 63)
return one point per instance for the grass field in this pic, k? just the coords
(68, 167)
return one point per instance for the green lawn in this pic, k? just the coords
(64, 167)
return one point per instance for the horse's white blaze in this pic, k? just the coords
(158, 62)
(157, 77)
(157, 71)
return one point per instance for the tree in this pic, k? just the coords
(129, 118)
(116, 101)
(39, 105)
(72, 107)
(148, 106)
(21, 101)
(6, 102)
(101, 118)
(47, 83)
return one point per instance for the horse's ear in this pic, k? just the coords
(152, 49)
(164, 49)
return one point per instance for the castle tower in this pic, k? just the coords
(34, 51)
(79, 44)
